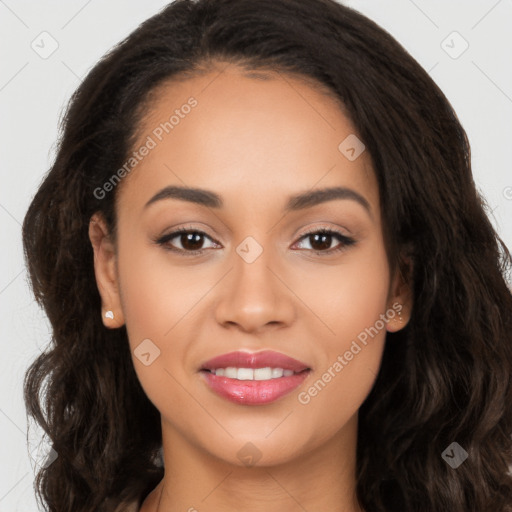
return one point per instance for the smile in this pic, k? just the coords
(252, 373)
(253, 378)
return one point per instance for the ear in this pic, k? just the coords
(400, 296)
(105, 271)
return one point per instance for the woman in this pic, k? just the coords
(264, 260)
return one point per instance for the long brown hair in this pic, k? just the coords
(445, 378)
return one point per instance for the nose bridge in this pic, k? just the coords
(254, 296)
(252, 277)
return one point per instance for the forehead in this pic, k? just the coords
(254, 134)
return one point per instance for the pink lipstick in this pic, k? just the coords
(253, 378)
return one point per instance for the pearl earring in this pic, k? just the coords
(400, 319)
(109, 314)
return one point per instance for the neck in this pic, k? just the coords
(322, 479)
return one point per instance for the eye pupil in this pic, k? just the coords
(323, 237)
(193, 241)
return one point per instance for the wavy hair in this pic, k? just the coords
(446, 377)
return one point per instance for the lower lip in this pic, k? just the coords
(253, 392)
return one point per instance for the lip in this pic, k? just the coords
(261, 359)
(254, 392)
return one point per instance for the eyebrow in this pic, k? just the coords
(296, 202)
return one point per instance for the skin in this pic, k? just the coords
(254, 142)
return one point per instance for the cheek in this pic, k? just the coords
(337, 391)
(340, 385)
(162, 306)
(352, 303)
(360, 323)
(349, 297)
(156, 294)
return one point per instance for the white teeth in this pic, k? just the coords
(230, 372)
(263, 373)
(277, 372)
(266, 373)
(245, 374)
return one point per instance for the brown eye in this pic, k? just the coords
(321, 241)
(191, 241)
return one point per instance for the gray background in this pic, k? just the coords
(34, 90)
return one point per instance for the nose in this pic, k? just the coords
(254, 297)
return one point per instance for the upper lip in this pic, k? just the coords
(265, 358)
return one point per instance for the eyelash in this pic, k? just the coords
(345, 241)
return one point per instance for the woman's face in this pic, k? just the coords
(257, 280)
